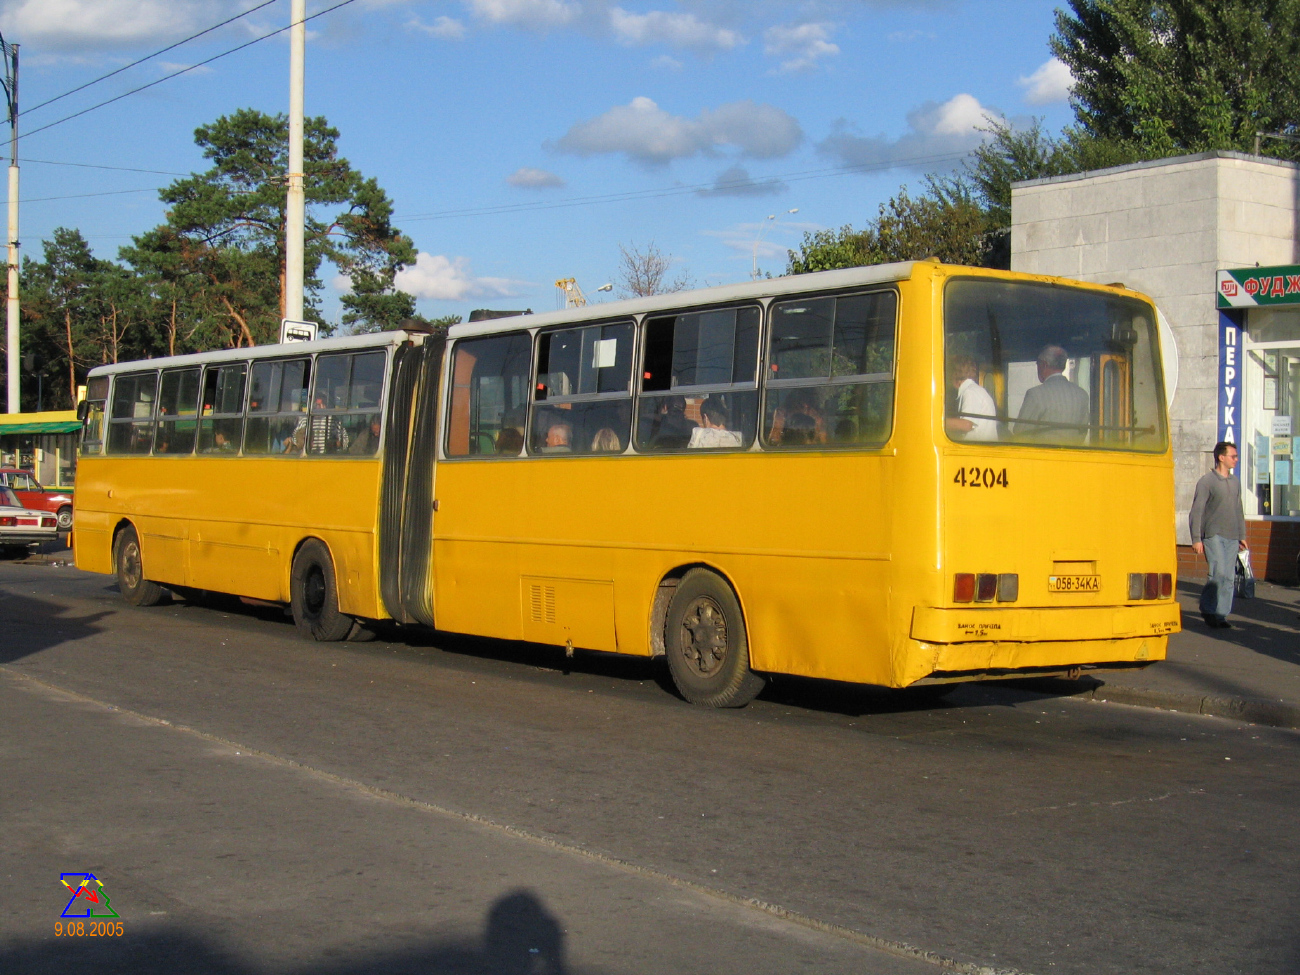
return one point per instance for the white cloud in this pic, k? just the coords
(441, 278)
(673, 29)
(763, 238)
(65, 25)
(1051, 83)
(646, 133)
(951, 129)
(736, 181)
(666, 62)
(527, 13)
(173, 66)
(802, 45)
(445, 28)
(529, 178)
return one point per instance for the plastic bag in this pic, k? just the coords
(1245, 582)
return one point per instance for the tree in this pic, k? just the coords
(946, 221)
(645, 273)
(1154, 78)
(224, 240)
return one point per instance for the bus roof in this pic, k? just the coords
(791, 284)
(344, 343)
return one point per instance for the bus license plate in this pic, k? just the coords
(1074, 583)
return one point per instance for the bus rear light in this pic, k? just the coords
(1008, 587)
(1151, 587)
(986, 587)
(1166, 585)
(1136, 583)
(963, 587)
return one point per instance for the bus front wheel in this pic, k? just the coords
(135, 588)
(314, 595)
(706, 644)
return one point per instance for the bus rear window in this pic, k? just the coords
(1051, 365)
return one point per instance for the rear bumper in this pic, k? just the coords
(974, 644)
(27, 538)
(1050, 625)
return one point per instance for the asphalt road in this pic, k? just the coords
(253, 803)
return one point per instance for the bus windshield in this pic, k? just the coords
(1050, 365)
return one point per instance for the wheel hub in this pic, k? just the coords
(704, 636)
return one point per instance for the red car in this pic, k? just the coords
(31, 495)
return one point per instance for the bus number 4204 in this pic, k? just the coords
(978, 477)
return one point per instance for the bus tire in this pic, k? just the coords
(129, 566)
(706, 643)
(314, 595)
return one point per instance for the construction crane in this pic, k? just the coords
(569, 295)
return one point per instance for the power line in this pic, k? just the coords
(82, 196)
(148, 57)
(634, 195)
(159, 81)
(119, 169)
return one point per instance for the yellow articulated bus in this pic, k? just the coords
(897, 475)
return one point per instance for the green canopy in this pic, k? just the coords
(48, 427)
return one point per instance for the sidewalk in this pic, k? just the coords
(1250, 672)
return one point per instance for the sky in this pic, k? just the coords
(523, 141)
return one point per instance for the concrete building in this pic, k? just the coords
(1186, 231)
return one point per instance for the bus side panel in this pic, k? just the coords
(92, 537)
(232, 524)
(802, 537)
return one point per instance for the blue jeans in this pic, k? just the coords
(1221, 553)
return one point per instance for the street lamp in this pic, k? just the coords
(762, 231)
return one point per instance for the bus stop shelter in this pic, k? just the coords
(44, 443)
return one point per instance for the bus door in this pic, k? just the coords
(406, 495)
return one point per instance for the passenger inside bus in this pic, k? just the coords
(559, 438)
(1056, 409)
(605, 442)
(714, 432)
(671, 429)
(975, 418)
(510, 441)
(799, 411)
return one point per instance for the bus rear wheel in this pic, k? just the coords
(135, 588)
(314, 595)
(706, 644)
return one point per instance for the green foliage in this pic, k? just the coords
(223, 243)
(1155, 78)
(79, 311)
(212, 275)
(946, 221)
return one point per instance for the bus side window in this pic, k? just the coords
(582, 402)
(699, 386)
(130, 424)
(178, 399)
(489, 396)
(221, 426)
(830, 376)
(345, 417)
(92, 430)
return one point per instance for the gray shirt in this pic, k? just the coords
(1055, 400)
(1216, 508)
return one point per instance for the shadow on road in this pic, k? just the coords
(521, 937)
(31, 625)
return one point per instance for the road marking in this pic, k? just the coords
(886, 945)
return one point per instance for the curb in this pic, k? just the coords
(1275, 714)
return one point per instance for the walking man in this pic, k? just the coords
(1219, 532)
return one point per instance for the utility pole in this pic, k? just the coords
(295, 213)
(9, 53)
